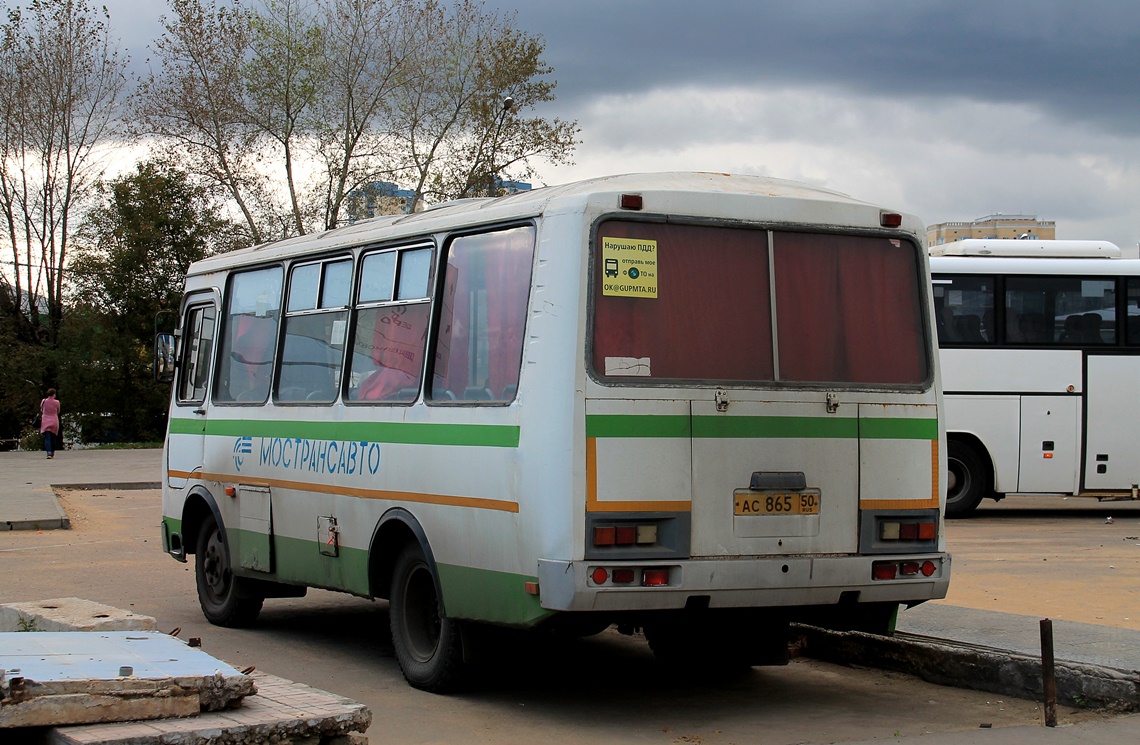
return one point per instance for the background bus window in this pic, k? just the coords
(315, 324)
(711, 318)
(1064, 311)
(198, 341)
(252, 311)
(483, 315)
(849, 310)
(1132, 326)
(391, 326)
(964, 309)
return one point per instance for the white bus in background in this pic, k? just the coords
(698, 404)
(1040, 349)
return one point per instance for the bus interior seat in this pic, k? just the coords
(407, 394)
(1090, 328)
(1071, 331)
(969, 328)
(509, 391)
(477, 393)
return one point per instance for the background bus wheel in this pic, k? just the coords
(219, 591)
(428, 645)
(967, 479)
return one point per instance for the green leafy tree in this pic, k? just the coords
(128, 272)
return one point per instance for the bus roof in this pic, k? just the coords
(714, 195)
(1023, 248)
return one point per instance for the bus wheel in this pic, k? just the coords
(219, 591)
(428, 645)
(967, 479)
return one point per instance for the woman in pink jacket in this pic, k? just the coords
(49, 421)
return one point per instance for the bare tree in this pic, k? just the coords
(370, 45)
(196, 100)
(327, 99)
(60, 86)
(284, 79)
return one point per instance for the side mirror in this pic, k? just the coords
(164, 358)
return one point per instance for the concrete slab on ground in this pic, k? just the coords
(282, 711)
(71, 614)
(54, 678)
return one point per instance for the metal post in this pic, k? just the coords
(1048, 675)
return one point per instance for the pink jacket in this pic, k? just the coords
(49, 416)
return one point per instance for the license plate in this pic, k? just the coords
(750, 503)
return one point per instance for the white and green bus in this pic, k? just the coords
(700, 405)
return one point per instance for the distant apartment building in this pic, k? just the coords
(377, 198)
(991, 227)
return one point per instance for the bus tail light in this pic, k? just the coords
(884, 570)
(625, 535)
(887, 570)
(908, 531)
(631, 576)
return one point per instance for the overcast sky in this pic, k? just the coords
(948, 109)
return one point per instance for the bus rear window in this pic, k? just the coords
(848, 307)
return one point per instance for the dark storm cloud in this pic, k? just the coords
(1073, 59)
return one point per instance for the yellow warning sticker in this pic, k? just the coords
(629, 267)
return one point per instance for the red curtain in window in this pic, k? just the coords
(496, 268)
(711, 318)
(397, 349)
(848, 309)
(507, 264)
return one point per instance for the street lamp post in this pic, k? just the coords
(492, 187)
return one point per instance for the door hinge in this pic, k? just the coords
(721, 399)
(832, 402)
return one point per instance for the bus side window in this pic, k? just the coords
(253, 306)
(390, 336)
(197, 349)
(964, 307)
(1132, 308)
(478, 350)
(315, 323)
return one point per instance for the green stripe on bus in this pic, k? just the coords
(759, 427)
(485, 435)
(645, 425)
(489, 596)
(899, 429)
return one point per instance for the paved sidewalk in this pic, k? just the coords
(27, 501)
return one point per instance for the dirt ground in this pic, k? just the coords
(1051, 557)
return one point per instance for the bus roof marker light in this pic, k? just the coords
(890, 219)
(631, 201)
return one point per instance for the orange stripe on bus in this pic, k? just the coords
(593, 504)
(399, 496)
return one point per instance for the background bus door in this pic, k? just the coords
(187, 429)
(1112, 410)
(1050, 444)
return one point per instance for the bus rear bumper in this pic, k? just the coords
(736, 583)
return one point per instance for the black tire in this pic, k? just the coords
(223, 597)
(968, 480)
(429, 646)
